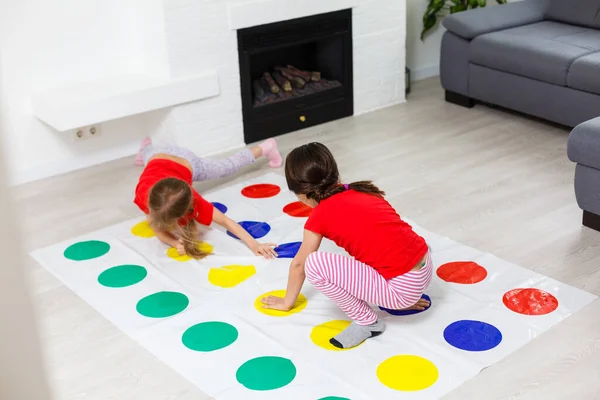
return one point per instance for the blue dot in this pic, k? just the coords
(472, 335)
(254, 228)
(288, 250)
(406, 312)
(220, 206)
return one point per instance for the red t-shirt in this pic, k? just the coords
(160, 169)
(370, 230)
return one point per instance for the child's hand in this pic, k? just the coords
(265, 249)
(180, 248)
(276, 303)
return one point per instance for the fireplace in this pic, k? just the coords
(295, 74)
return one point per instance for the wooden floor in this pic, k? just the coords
(494, 180)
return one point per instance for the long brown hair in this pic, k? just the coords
(170, 200)
(312, 171)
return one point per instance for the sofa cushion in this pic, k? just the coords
(584, 74)
(480, 21)
(576, 12)
(543, 51)
(583, 146)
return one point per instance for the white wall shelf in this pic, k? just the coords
(71, 107)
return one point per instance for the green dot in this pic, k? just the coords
(209, 336)
(334, 398)
(86, 250)
(122, 276)
(162, 304)
(266, 373)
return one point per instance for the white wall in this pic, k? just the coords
(51, 43)
(150, 50)
(423, 57)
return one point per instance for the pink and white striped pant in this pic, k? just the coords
(353, 285)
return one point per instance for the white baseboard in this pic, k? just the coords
(421, 73)
(356, 114)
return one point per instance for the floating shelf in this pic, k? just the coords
(71, 107)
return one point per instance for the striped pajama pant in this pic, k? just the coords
(353, 285)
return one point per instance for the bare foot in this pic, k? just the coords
(419, 306)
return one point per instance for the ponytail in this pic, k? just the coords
(361, 186)
(190, 244)
(169, 201)
(327, 189)
(366, 187)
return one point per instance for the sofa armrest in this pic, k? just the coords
(583, 146)
(470, 24)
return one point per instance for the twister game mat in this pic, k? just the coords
(204, 318)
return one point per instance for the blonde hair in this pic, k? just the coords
(171, 199)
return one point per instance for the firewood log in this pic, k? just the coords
(294, 76)
(296, 80)
(282, 81)
(259, 92)
(305, 75)
(272, 85)
(264, 85)
(314, 76)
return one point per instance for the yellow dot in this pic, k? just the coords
(230, 275)
(203, 246)
(321, 334)
(407, 373)
(300, 304)
(143, 230)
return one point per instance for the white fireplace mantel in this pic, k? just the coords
(245, 15)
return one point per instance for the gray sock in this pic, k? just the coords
(355, 334)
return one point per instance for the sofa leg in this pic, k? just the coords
(459, 99)
(591, 220)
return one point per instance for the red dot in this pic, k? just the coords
(530, 301)
(466, 272)
(297, 209)
(261, 191)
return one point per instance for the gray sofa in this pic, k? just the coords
(584, 149)
(538, 57)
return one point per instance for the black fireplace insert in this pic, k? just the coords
(295, 74)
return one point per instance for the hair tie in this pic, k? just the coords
(346, 186)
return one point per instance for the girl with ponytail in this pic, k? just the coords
(175, 210)
(390, 264)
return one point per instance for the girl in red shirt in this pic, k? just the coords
(174, 209)
(390, 265)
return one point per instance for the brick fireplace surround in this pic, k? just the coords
(202, 36)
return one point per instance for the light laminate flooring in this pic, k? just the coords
(491, 179)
